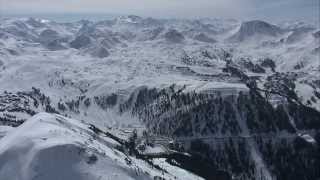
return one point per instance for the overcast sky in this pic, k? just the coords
(242, 9)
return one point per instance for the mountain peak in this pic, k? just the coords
(256, 27)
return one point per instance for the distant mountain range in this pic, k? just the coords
(159, 99)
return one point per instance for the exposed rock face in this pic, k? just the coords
(13, 52)
(151, 34)
(49, 34)
(100, 52)
(174, 36)
(316, 35)
(247, 64)
(204, 38)
(316, 50)
(268, 63)
(80, 42)
(55, 45)
(51, 40)
(253, 28)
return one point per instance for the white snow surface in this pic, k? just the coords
(308, 138)
(4, 130)
(139, 55)
(51, 147)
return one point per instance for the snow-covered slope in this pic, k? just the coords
(133, 51)
(193, 81)
(256, 30)
(49, 146)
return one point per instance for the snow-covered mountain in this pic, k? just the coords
(241, 95)
(50, 146)
(256, 30)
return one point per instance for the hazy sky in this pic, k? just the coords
(244, 9)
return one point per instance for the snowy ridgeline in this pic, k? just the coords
(241, 133)
(50, 146)
(70, 59)
(240, 95)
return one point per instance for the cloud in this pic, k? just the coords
(286, 10)
(177, 8)
(263, 9)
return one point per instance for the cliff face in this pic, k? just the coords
(255, 28)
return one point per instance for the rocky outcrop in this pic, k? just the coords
(173, 36)
(204, 38)
(255, 28)
(80, 42)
